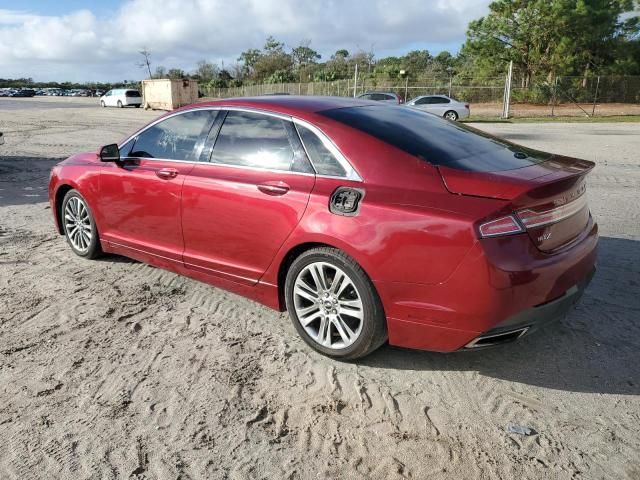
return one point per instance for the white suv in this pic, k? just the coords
(121, 97)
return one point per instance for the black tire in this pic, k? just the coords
(138, 106)
(102, 104)
(119, 104)
(451, 115)
(94, 249)
(374, 326)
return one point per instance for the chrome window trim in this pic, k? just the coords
(352, 174)
(329, 145)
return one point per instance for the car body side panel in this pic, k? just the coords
(231, 227)
(141, 210)
(392, 242)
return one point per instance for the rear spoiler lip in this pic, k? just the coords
(511, 185)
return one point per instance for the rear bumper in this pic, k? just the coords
(528, 321)
(502, 284)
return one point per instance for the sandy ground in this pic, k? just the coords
(114, 369)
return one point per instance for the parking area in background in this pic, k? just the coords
(113, 368)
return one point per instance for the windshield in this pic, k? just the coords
(435, 140)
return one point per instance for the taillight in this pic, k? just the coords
(466, 105)
(531, 218)
(501, 226)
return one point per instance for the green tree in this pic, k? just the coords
(417, 62)
(549, 37)
(303, 54)
(248, 58)
(176, 73)
(206, 71)
(342, 53)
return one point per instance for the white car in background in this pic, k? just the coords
(442, 106)
(121, 97)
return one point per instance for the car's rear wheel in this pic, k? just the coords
(79, 226)
(334, 305)
(119, 104)
(138, 105)
(102, 104)
(451, 115)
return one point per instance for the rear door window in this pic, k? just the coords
(179, 137)
(250, 139)
(436, 141)
(439, 100)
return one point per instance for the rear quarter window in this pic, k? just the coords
(435, 140)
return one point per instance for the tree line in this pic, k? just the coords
(543, 38)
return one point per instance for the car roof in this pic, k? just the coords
(285, 104)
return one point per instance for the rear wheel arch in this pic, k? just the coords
(286, 262)
(295, 252)
(360, 296)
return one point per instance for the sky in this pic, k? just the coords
(58, 40)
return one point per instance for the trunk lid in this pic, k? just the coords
(548, 198)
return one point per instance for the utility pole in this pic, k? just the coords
(355, 82)
(506, 100)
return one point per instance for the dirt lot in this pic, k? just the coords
(114, 369)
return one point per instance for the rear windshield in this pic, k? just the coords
(435, 140)
(132, 93)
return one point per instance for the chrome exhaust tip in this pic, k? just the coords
(497, 338)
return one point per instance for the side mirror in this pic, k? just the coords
(110, 153)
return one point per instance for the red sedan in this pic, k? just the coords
(366, 222)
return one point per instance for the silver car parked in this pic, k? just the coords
(442, 106)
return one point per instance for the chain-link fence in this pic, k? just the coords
(573, 96)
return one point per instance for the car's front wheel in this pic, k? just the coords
(102, 104)
(451, 115)
(334, 305)
(119, 104)
(79, 226)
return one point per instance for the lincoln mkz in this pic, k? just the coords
(367, 222)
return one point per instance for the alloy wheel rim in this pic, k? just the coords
(328, 305)
(77, 224)
(451, 116)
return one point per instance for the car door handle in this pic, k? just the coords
(167, 173)
(274, 188)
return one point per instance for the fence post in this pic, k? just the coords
(507, 92)
(406, 89)
(355, 82)
(595, 98)
(554, 97)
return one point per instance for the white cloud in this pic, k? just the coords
(81, 46)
